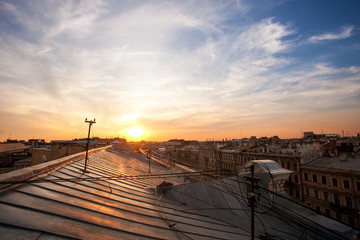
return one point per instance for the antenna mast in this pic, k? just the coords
(88, 139)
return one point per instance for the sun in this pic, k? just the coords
(135, 132)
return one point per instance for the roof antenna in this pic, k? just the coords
(88, 139)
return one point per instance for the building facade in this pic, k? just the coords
(333, 190)
(332, 187)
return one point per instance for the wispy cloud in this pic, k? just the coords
(184, 65)
(75, 18)
(344, 33)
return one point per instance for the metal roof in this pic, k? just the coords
(119, 199)
(267, 165)
(349, 163)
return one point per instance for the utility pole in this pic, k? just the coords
(91, 122)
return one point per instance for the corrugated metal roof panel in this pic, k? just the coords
(117, 198)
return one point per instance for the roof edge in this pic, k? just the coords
(36, 171)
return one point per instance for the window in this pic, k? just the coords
(297, 194)
(334, 182)
(316, 193)
(358, 186)
(288, 166)
(296, 178)
(327, 212)
(336, 199)
(307, 191)
(306, 177)
(314, 178)
(326, 196)
(323, 180)
(295, 166)
(317, 208)
(346, 184)
(348, 202)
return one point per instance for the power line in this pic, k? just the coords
(121, 177)
(77, 134)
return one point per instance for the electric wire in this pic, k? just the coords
(266, 196)
(228, 222)
(231, 192)
(81, 130)
(77, 189)
(163, 216)
(77, 179)
(295, 220)
(272, 204)
(273, 200)
(173, 225)
(306, 222)
(274, 185)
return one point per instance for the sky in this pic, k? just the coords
(179, 69)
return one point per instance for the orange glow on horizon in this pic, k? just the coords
(135, 132)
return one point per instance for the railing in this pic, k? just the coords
(159, 159)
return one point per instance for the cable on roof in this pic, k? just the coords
(142, 176)
(290, 219)
(307, 223)
(294, 220)
(163, 216)
(230, 223)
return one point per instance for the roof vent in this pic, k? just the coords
(272, 175)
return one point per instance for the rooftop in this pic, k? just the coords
(8, 147)
(117, 198)
(349, 163)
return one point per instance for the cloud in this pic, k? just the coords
(345, 33)
(264, 37)
(11, 9)
(200, 88)
(75, 18)
(255, 53)
(187, 66)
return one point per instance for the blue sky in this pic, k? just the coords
(179, 69)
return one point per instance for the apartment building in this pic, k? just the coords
(332, 186)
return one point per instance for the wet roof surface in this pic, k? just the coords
(117, 199)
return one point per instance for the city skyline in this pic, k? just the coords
(179, 69)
